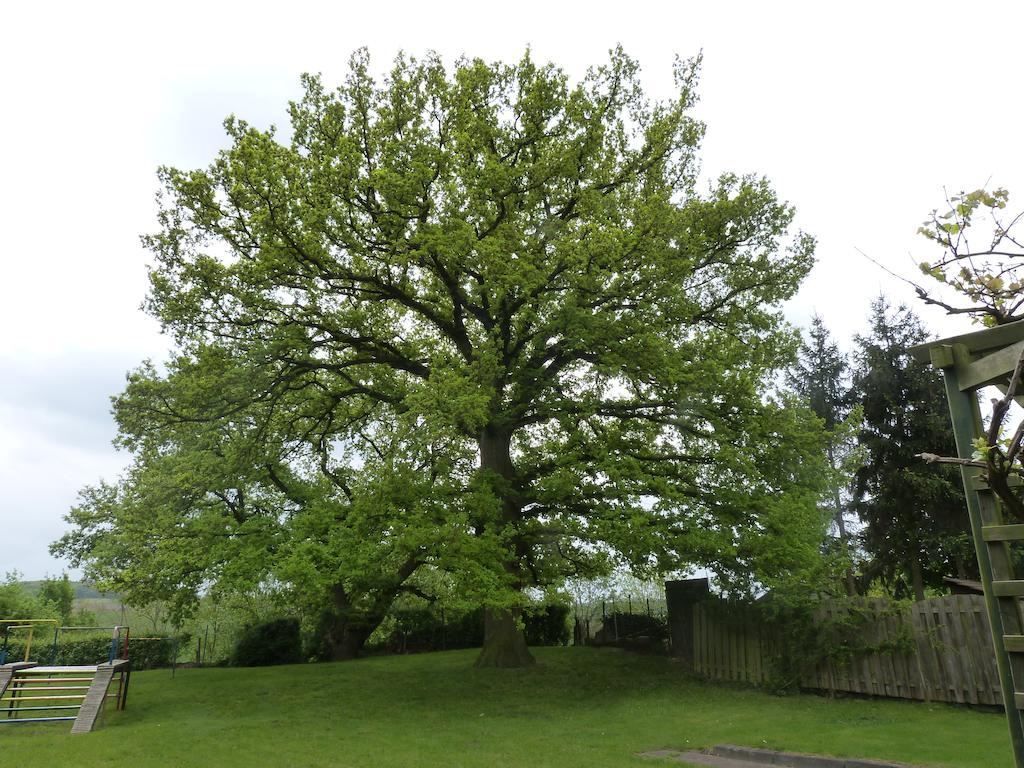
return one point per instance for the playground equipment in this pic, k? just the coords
(51, 692)
(29, 624)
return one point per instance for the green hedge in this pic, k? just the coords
(268, 643)
(145, 652)
(428, 629)
(152, 652)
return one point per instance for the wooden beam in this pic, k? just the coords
(978, 483)
(1003, 532)
(977, 341)
(1010, 588)
(993, 368)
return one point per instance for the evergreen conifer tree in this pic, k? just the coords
(916, 526)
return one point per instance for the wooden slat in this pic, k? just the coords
(1003, 532)
(1008, 588)
(34, 670)
(990, 369)
(978, 482)
(1014, 643)
(976, 341)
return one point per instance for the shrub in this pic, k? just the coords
(635, 631)
(547, 624)
(145, 652)
(152, 652)
(269, 643)
(428, 629)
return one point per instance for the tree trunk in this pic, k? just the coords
(844, 538)
(916, 579)
(347, 629)
(961, 568)
(504, 641)
(346, 640)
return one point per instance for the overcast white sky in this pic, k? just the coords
(860, 117)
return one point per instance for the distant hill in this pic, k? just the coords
(82, 591)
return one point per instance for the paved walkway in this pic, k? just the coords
(728, 756)
(698, 758)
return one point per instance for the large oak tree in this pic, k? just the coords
(521, 266)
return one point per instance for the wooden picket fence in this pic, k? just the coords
(934, 650)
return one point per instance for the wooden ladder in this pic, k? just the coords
(1007, 589)
(992, 537)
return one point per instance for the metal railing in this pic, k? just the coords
(30, 625)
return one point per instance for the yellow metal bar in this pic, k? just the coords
(28, 621)
(30, 625)
(46, 688)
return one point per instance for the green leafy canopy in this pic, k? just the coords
(500, 264)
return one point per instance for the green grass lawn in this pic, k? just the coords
(578, 707)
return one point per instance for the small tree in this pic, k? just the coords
(60, 594)
(17, 603)
(821, 378)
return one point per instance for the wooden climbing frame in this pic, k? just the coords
(969, 363)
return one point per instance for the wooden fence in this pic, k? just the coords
(934, 650)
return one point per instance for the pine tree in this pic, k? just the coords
(915, 514)
(821, 377)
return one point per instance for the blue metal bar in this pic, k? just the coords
(36, 720)
(48, 709)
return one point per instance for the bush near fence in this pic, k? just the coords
(432, 629)
(633, 631)
(270, 642)
(145, 652)
(934, 650)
